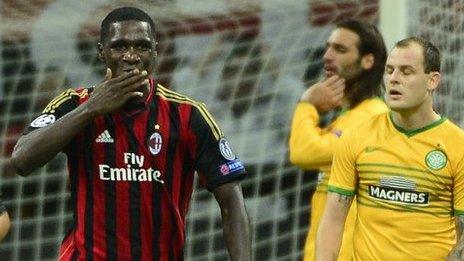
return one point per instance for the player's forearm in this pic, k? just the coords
(457, 253)
(329, 238)
(237, 233)
(38, 147)
(309, 147)
(235, 221)
(330, 231)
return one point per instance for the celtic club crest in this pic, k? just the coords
(436, 159)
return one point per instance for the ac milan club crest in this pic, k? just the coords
(154, 143)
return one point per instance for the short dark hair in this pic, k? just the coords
(370, 42)
(124, 14)
(431, 54)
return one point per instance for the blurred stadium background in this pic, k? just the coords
(247, 60)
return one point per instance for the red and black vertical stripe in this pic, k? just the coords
(134, 197)
(162, 203)
(174, 135)
(188, 168)
(88, 216)
(110, 196)
(171, 157)
(73, 162)
(153, 119)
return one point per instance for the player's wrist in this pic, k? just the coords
(88, 111)
(319, 107)
(310, 99)
(303, 98)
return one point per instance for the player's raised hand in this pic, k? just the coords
(325, 95)
(113, 93)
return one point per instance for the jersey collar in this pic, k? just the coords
(410, 133)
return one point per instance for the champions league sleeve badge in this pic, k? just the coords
(233, 164)
(43, 120)
(226, 150)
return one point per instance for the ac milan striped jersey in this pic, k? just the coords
(132, 174)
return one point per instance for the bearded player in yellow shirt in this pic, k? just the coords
(354, 63)
(406, 168)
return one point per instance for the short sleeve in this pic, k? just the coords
(56, 108)
(458, 189)
(215, 161)
(343, 177)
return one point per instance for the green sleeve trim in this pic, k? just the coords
(459, 212)
(341, 191)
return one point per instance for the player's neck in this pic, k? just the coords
(415, 119)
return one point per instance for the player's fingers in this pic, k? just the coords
(123, 99)
(137, 94)
(338, 99)
(337, 96)
(133, 84)
(340, 83)
(331, 80)
(104, 81)
(130, 95)
(132, 79)
(108, 74)
(339, 88)
(136, 86)
(126, 75)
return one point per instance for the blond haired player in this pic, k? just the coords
(406, 168)
(354, 63)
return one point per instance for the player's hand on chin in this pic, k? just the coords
(325, 95)
(112, 93)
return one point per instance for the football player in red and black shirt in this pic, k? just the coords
(133, 147)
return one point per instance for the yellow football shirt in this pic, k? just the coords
(408, 187)
(312, 148)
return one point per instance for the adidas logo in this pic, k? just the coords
(104, 137)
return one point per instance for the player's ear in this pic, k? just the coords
(367, 61)
(100, 51)
(434, 81)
